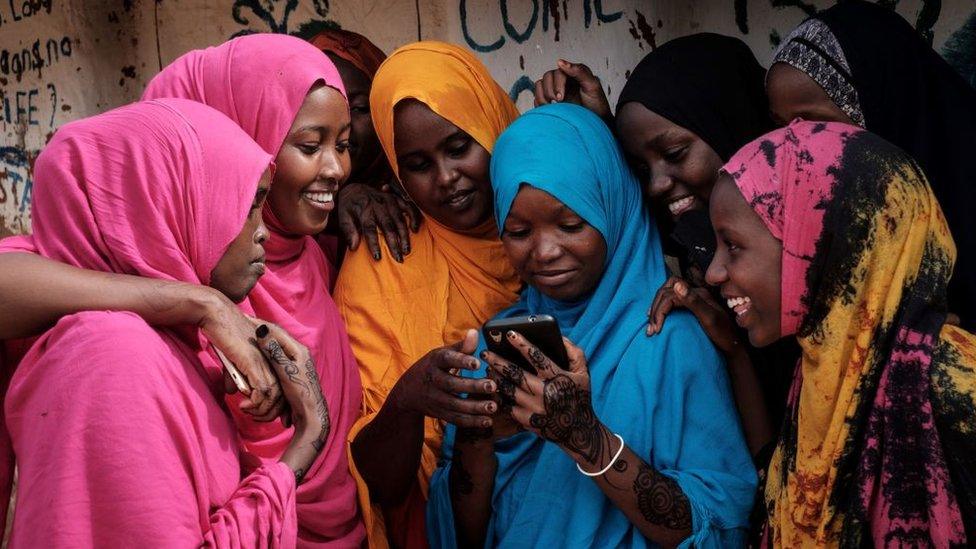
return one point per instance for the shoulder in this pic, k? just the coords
(107, 333)
(684, 346)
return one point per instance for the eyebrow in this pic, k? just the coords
(660, 139)
(323, 129)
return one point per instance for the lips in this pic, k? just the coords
(681, 205)
(553, 277)
(460, 200)
(740, 305)
(323, 200)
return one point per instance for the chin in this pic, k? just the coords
(759, 337)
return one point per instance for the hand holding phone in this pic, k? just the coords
(541, 330)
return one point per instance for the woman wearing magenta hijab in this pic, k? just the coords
(289, 98)
(119, 436)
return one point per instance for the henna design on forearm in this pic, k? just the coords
(660, 499)
(569, 419)
(321, 408)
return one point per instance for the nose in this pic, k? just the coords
(261, 233)
(716, 274)
(335, 166)
(447, 174)
(661, 183)
(546, 250)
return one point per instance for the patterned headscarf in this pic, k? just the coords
(879, 443)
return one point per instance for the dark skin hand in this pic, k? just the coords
(302, 389)
(556, 405)
(387, 451)
(677, 293)
(573, 83)
(363, 211)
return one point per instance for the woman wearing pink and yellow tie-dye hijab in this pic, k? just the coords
(829, 234)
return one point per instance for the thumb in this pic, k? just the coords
(468, 344)
(579, 72)
(690, 300)
(577, 360)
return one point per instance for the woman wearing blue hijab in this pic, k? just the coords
(651, 421)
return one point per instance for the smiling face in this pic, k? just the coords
(676, 168)
(365, 146)
(312, 162)
(551, 247)
(238, 270)
(747, 266)
(793, 94)
(442, 168)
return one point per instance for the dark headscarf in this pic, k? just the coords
(708, 83)
(910, 96)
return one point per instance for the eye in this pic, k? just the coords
(359, 109)
(516, 233)
(308, 148)
(457, 149)
(573, 227)
(259, 199)
(343, 146)
(732, 247)
(674, 154)
(415, 165)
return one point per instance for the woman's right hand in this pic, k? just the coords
(572, 83)
(431, 388)
(363, 211)
(233, 333)
(714, 319)
(302, 389)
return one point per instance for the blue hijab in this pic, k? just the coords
(668, 396)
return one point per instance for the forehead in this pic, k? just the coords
(639, 125)
(323, 106)
(416, 127)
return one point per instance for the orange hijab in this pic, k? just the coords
(397, 312)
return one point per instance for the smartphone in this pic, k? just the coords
(541, 330)
(239, 380)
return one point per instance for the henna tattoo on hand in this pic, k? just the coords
(299, 475)
(569, 419)
(660, 499)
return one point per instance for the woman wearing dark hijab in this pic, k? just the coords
(863, 64)
(686, 108)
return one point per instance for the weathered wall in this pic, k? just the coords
(65, 59)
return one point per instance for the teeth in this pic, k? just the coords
(679, 205)
(318, 196)
(736, 302)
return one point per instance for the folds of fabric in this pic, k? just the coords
(450, 282)
(909, 95)
(667, 396)
(118, 428)
(876, 450)
(260, 82)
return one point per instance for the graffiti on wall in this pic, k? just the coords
(274, 14)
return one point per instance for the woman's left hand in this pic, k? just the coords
(553, 403)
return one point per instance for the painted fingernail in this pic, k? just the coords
(490, 407)
(510, 334)
(474, 364)
(376, 256)
(406, 248)
(490, 386)
(680, 289)
(262, 331)
(484, 355)
(486, 422)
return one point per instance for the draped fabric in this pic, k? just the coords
(260, 81)
(879, 447)
(667, 396)
(909, 95)
(450, 282)
(119, 430)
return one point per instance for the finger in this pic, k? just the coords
(505, 369)
(684, 297)
(543, 365)
(538, 94)
(661, 311)
(577, 359)
(471, 407)
(522, 416)
(466, 420)
(467, 344)
(269, 415)
(548, 89)
(372, 240)
(654, 302)
(581, 73)
(401, 219)
(456, 385)
(415, 216)
(559, 84)
(392, 235)
(349, 228)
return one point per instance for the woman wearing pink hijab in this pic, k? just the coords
(289, 98)
(120, 434)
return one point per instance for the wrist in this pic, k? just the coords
(600, 450)
(207, 304)
(399, 403)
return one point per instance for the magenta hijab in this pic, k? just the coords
(260, 82)
(120, 435)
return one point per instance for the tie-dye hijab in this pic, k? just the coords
(879, 438)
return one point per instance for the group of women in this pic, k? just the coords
(199, 350)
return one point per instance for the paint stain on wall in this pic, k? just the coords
(641, 31)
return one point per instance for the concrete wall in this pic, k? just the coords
(64, 59)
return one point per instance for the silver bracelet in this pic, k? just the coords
(609, 465)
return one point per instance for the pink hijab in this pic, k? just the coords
(120, 435)
(260, 82)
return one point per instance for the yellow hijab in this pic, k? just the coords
(397, 312)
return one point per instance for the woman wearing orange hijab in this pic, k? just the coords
(437, 113)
